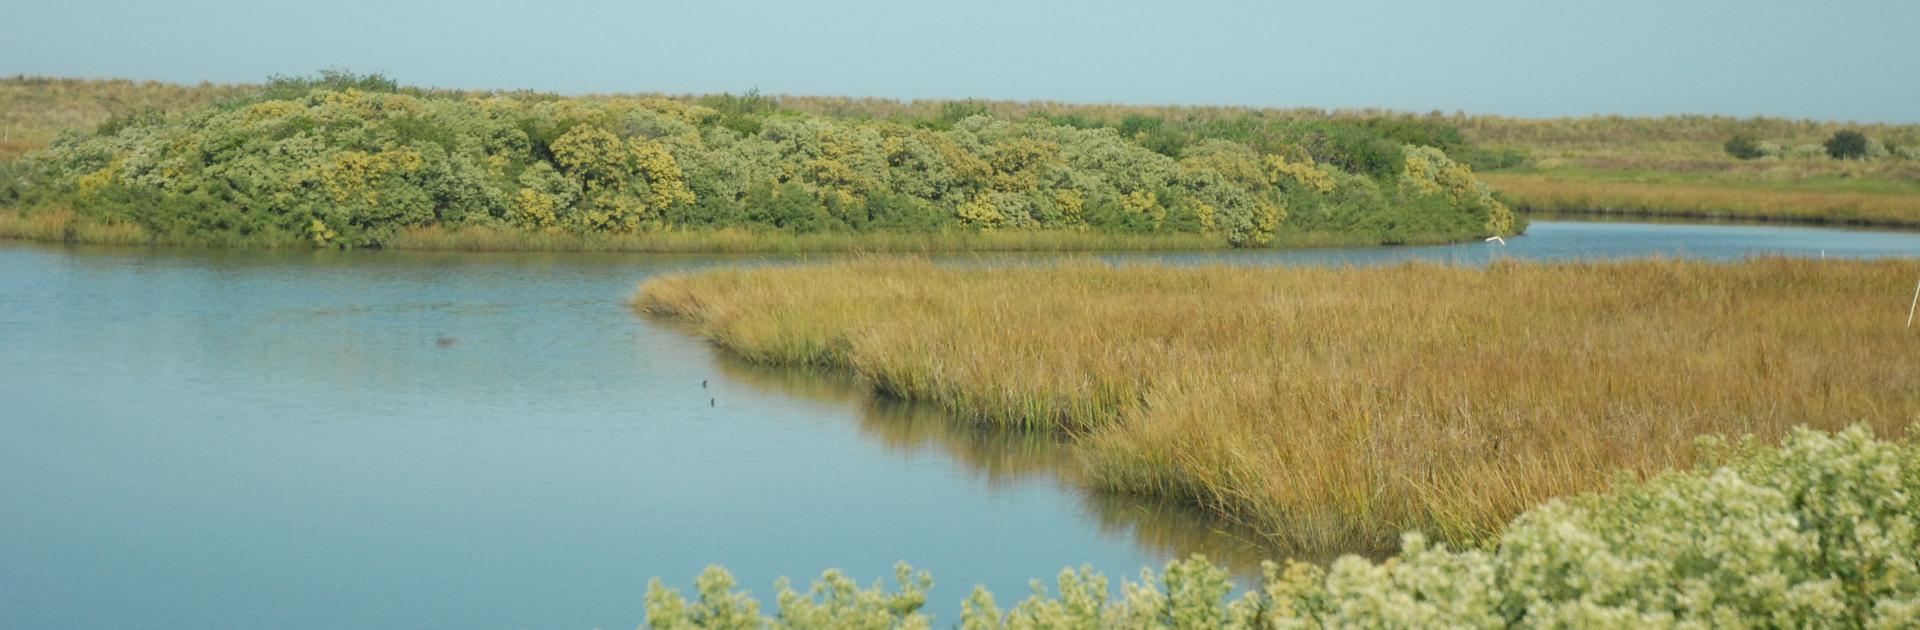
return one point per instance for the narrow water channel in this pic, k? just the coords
(324, 439)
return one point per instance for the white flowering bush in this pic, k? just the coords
(1877, 150)
(1820, 531)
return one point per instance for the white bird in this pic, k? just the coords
(1496, 239)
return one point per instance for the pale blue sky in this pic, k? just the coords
(1840, 59)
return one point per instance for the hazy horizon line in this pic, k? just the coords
(1014, 101)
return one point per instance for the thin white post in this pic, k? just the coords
(1916, 302)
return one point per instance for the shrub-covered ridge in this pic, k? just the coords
(349, 161)
(1818, 532)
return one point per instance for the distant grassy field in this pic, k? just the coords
(35, 110)
(1678, 166)
(1336, 408)
(1862, 202)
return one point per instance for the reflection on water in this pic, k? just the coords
(257, 438)
(997, 457)
(1003, 457)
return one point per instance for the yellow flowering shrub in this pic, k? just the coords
(357, 175)
(91, 184)
(535, 209)
(320, 233)
(1429, 172)
(980, 212)
(1305, 173)
(1070, 202)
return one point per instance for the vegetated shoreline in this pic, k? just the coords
(1818, 532)
(1595, 164)
(1417, 397)
(68, 228)
(351, 161)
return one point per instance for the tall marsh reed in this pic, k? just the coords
(1337, 408)
(65, 226)
(475, 238)
(62, 226)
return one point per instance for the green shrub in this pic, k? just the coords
(742, 113)
(953, 112)
(286, 87)
(1821, 531)
(1490, 159)
(1745, 148)
(1847, 145)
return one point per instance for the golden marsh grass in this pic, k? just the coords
(1551, 193)
(1340, 407)
(63, 226)
(475, 238)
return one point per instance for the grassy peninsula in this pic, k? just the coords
(1337, 408)
(347, 160)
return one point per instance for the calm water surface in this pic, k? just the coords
(294, 439)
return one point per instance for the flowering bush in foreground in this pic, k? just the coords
(1820, 531)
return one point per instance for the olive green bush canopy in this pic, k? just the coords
(346, 160)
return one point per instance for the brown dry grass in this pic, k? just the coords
(1340, 407)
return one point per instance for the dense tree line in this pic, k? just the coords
(344, 160)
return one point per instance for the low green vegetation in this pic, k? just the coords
(1846, 144)
(1337, 408)
(1710, 167)
(353, 161)
(1818, 532)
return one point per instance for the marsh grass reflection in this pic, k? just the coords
(1001, 458)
